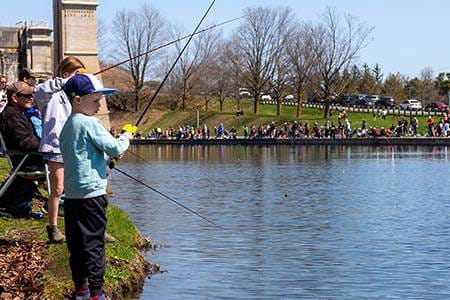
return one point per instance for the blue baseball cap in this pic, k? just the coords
(83, 84)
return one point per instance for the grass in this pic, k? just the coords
(123, 256)
(266, 115)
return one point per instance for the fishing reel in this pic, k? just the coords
(126, 128)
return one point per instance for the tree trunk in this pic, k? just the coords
(326, 108)
(278, 106)
(136, 99)
(238, 103)
(221, 100)
(256, 104)
(206, 103)
(299, 104)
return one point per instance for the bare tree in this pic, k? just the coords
(257, 41)
(301, 58)
(196, 58)
(427, 88)
(103, 42)
(337, 45)
(137, 32)
(232, 63)
(223, 77)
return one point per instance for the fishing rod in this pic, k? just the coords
(173, 65)
(167, 197)
(133, 128)
(169, 43)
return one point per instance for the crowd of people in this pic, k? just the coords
(343, 128)
(56, 118)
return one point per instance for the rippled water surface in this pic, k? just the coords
(300, 222)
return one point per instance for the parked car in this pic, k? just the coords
(289, 98)
(411, 104)
(368, 101)
(356, 99)
(266, 98)
(244, 92)
(385, 102)
(436, 106)
(343, 99)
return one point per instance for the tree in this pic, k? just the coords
(368, 83)
(257, 41)
(443, 83)
(103, 42)
(394, 86)
(137, 32)
(222, 76)
(301, 60)
(196, 59)
(337, 45)
(378, 75)
(352, 79)
(412, 88)
(427, 91)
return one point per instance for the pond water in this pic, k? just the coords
(300, 222)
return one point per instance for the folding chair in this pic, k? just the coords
(15, 171)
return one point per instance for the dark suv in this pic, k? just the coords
(385, 102)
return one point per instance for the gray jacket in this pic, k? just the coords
(56, 108)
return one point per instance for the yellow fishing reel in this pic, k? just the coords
(129, 128)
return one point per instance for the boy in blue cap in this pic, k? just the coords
(85, 145)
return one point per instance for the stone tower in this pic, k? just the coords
(75, 34)
(37, 47)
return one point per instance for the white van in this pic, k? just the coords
(266, 98)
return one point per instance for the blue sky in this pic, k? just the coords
(408, 36)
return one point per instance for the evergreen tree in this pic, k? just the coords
(443, 83)
(368, 84)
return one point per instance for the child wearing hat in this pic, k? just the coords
(85, 145)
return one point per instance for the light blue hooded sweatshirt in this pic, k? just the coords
(85, 146)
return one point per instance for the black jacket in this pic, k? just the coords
(18, 133)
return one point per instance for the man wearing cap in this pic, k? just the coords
(18, 134)
(16, 129)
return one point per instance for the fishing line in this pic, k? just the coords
(167, 197)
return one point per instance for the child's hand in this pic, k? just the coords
(129, 135)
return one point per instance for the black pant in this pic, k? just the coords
(85, 224)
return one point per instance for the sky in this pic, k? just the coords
(408, 35)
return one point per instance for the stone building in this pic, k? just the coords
(29, 45)
(75, 25)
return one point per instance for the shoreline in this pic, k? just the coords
(371, 141)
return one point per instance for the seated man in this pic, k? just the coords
(18, 134)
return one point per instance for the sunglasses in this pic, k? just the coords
(25, 96)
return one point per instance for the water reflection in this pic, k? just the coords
(301, 222)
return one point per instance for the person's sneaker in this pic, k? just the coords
(100, 297)
(54, 235)
(109, 238)
(82, 295)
